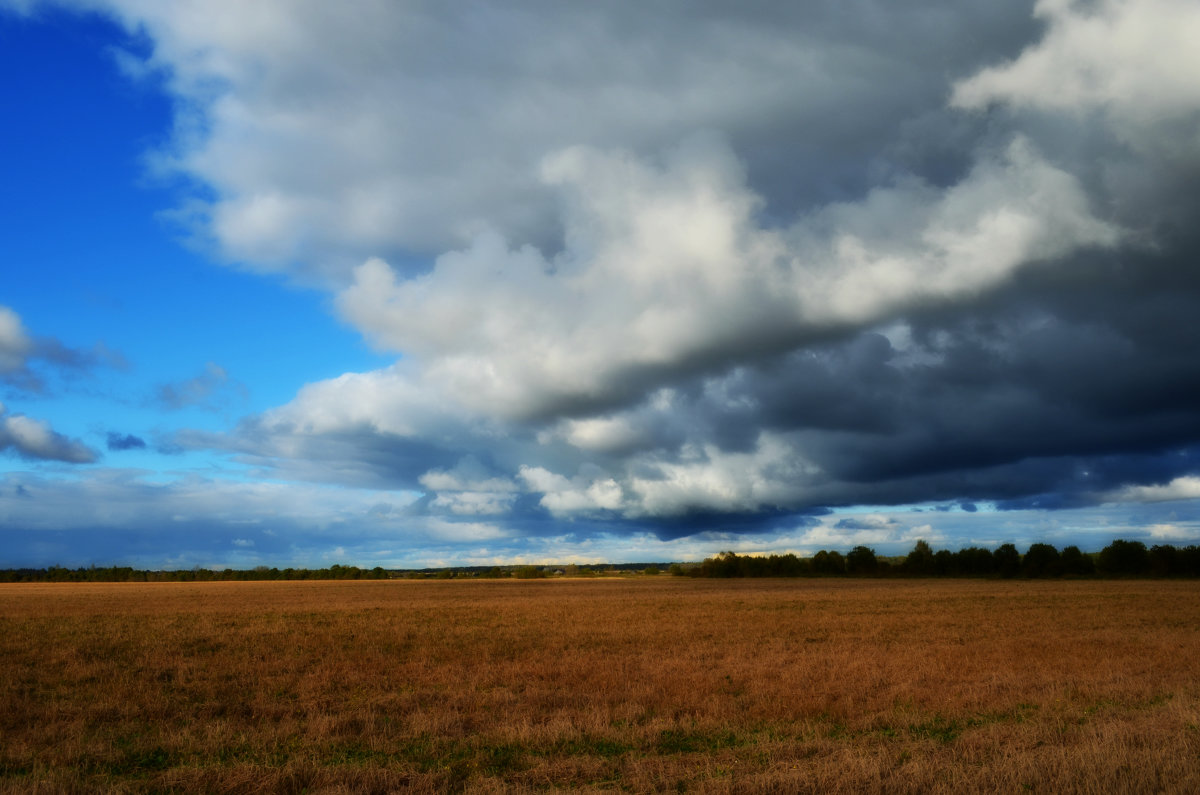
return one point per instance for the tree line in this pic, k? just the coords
(1121, 558)
(129, 574)
(335, 572)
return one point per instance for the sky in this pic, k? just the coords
(420, 284)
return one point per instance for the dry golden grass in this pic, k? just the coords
(647, 684)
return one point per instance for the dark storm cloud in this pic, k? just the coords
(1030, 391)
(700, 522)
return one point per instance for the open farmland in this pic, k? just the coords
(637, 684)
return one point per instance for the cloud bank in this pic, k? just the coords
(675, 269)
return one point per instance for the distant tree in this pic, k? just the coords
(749, 566)
(1124, 558)
(1189, 561)
(651, 570)
(1008, 560)
(788, 565)
(1075, 563)
(974, 561)
(861, 561)
(919, 562)
(1041, 560)
(1165, 561)
(944, 563)
(725, 564)
(802, 566)
(826, 562)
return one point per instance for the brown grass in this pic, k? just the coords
(647, 684)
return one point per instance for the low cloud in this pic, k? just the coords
(871, 532)
(1181, 488)
(1172, 533)
(119, 516)
(36, 440)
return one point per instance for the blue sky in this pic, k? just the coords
(485, 283)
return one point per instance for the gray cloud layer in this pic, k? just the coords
(648, 263)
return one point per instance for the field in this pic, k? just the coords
(636, 684)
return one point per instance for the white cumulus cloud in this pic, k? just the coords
(1135, 61)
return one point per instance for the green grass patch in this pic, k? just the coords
(938, 729)
(589, 746)
(674, 741)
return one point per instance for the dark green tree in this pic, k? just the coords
(1165, 561)
(975, 561)
(861, 561)
(919, 562)
(1075, 563)
(1041, 560)
(944, 563)
(1008, 560)
(726, 564)
(1124, 558)
(825, 562)
(1189, 561)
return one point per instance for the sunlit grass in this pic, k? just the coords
(651, 684)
